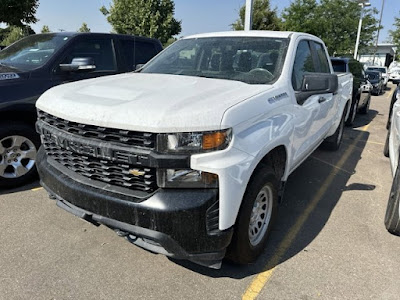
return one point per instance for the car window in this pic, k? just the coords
(322, 58)
(143, 52)
(100, 50)
(303, 64)
(339, 66)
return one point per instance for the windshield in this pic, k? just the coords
(372, 76)
(33, 51)
(253, 60)
(382, 70)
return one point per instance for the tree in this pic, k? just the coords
(395, 34)
(334, 21)
(18, 12)
(14, 35)
(152, 18)
(263, 17)
(84, 28)
(45, 29)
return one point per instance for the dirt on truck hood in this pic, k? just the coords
(148, 102)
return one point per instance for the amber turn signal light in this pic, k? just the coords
(214, 140)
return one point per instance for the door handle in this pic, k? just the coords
(321, 99)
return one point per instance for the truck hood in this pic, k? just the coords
(148, 102)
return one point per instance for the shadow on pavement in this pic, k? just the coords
(302, 187)
(26, 187)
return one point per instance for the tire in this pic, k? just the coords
(18, 148)
(365, 109)
(392, 218)
(247, 244)
(353, 112)
(386, 147)
(333, 142)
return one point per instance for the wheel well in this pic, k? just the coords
(18, 116)
(276, 159)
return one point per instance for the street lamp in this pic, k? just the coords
(362, 3)
(248, 16)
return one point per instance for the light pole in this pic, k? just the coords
(379, 29)
(362, 3)
(248, 22)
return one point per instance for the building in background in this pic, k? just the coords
(385, 54)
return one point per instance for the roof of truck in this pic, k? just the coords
(251, 33)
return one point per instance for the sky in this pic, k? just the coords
(196, 16)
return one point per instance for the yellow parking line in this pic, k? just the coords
(258, 283)
(36, 189)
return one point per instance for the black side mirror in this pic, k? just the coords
(83, 64)
(317, 83)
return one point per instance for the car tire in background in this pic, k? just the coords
(365, 109)
(19, 144)
(386, 147)
(392, 218)
(256, 217)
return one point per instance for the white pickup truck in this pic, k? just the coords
(189, 156)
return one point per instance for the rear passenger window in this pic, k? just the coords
(322, 58)
(140, 54)
(144, 52)
(303, 63)
(100, 50)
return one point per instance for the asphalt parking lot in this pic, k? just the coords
(329, 242)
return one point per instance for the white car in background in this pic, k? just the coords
(384, 71)
(392, 217)
(394, 75)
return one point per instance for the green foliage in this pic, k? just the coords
(45, 29)
(152, 18)
(263, 17)
(334, 21)
(15, 34)
(18, 12)
(170, 42)
(84, 28)
(395, 34)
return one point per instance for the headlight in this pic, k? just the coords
(186, 178)
(194, 142)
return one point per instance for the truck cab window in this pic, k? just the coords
(100, 50)
(303, 63)
(322, 58)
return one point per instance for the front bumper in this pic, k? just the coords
(172, 222)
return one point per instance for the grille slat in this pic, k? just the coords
(99, 169)
(126, 137)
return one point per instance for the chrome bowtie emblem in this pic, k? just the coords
(136, 172)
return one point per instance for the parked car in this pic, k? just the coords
(361, 92)
(384, 73)
(190, 157)
(375, 78)
(391, 149)
(38, 62)
(394, 75)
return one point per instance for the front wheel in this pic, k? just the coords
(256, 217)
(386, 147)
(18, 148)
(353, 112)
(365, 109)
(392, 219)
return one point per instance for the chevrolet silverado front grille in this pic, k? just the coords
(126, 137)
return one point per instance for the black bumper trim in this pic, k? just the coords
(171, 222)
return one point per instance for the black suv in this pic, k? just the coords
(36, 63)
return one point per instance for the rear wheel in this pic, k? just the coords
(18, 148)
(333, 142)
(392, 219)
(256, 217)
(353, 112)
